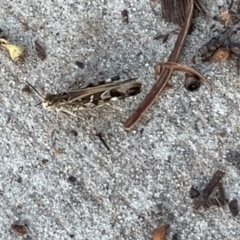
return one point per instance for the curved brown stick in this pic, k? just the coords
(165, 74)
(178, 67)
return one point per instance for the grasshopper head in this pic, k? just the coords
(48, 105)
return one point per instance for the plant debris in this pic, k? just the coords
(174, 11)
(41, 53)
(74, 133)
(45, 161)
(233, 207)
(194, 193)
(99, 135)
(164, 37)
(71, 178)
(25, 26)
(125, 16)
(181, 14)
(221, 40)
(19, 228)
(160, 233)
(80, 64)
(220, 55)
(57, 151)
(217, 176)
(17, 53)
(225, 17)
(27, 89)
(178, 67)
(202, 199)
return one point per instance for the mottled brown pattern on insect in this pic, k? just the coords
(91, 96)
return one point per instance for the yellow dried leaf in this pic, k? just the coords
(16, 52)
(160, 233)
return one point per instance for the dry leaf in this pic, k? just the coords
(16, 52)
(41, 53)
(220, 55)
(27, 89)
(160, 233)
(233, 206)
(225, 17)
(19, 228)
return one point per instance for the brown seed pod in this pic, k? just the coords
(160, 233)
(220, 55)
(192, 83)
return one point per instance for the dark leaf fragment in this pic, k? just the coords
(175, 236)
(80, 64)
(164, 37)
(45, 161)
(74, 133)
(203, 198)
(72, 178)
(27, 89)
(41, 53)
(233, 206)
(217, 176)
(194, 192)
(115, 78)
(125, 15)
(19, 228)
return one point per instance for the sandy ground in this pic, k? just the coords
(67, 185)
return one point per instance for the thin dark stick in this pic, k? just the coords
(99, 135)
(165, 74)
(217, 176)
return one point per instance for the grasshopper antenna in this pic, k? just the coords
(35, 90)
(38, 104)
